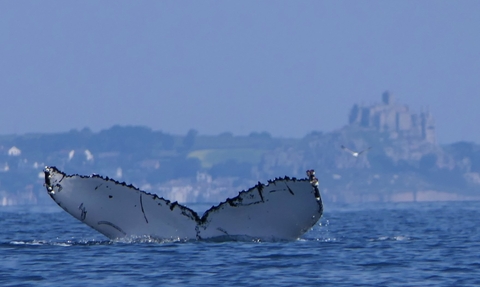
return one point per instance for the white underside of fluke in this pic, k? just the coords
(284, 209)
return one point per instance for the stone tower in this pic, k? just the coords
(394, 118)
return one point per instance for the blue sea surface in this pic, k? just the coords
(408, 244)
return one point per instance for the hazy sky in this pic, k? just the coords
(286, 67)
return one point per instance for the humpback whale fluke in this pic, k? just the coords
(284, 209)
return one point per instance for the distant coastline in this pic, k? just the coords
(404, 164)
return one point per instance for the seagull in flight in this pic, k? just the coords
(355, 153)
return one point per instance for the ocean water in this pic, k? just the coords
(410, 244)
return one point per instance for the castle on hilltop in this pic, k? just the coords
(394, 118)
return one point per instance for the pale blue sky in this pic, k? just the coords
(286, 67)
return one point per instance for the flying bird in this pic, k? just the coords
(355, 153)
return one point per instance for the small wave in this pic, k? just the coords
(217, 239)
(148, 239)
(392, 238)
(151, 240)
(323, 239)
(34, 242)
(56, 243)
